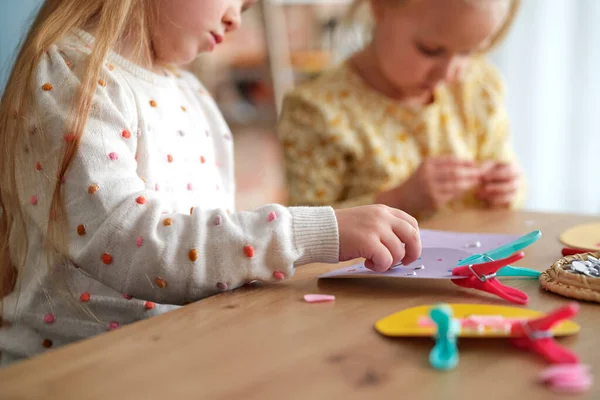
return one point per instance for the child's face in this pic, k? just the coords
(186, 28)
(425, 42)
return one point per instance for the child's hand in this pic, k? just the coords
(436, 182)
(383, 235)
(500, 184)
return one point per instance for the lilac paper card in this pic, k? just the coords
(441, 252)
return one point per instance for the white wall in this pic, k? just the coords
(15, 18)
(551, 62)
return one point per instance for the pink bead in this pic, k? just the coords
(139, 242)
(113, 156)
(278, 275)
(126, 296)
(49, 318)
(113, 325)
(318, 298)
(221, 286)
(34, 200)
(156, 187)
(272, 216)
(189, 186)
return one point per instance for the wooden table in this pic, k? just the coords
(265, 342)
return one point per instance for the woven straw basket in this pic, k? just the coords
(556, 279)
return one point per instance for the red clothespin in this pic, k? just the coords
(566, 251)
(535, 335)
(483, 277)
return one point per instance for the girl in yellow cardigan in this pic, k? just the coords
(414, 120)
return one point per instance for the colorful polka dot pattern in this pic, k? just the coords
(113, 154)
(160, 282)
(107, 259)
(248, 251)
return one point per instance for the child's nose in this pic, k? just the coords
(232, 19)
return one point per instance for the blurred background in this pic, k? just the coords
(550, 62)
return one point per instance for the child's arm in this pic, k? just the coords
(317, 146)
(117, 231)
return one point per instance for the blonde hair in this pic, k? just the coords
(357, 24)
(113, 21)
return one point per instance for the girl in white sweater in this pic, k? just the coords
(116, 179)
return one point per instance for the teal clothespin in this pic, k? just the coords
(444, 355)
(504, 252)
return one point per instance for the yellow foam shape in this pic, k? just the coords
(585, 236)
(406, 322)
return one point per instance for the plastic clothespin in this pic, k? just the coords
(444, 355)
(535, 335)
(483, 277)
(506, 251)
(566, 251)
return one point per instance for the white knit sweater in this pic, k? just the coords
(154, 147)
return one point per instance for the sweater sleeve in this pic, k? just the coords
(116, 229)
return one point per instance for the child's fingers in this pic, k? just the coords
(404, 216)
(411, 239)
(502, 172)
(453, 187)
(394, 246)
(456, 173)
(499, 188)
(379, 258)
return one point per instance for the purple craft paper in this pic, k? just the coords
(462, 241)
(441, 252)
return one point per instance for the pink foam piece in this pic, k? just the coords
(573, 378)
(563, 369)
(572, 385)
(318, 298)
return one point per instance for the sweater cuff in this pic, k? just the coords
(316, 236)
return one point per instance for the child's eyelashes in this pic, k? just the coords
(440, 51)
(430, 51)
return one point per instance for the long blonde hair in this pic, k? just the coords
(113, 22)
(357, 25)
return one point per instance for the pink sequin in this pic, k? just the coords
(272, 216)
(278, 275)
(34, 200)
(189, 186)
(49, 318)
(113, 325)
(139, 242)
(126, 296)
(318, 298)
(156, 187)
(113, 156)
